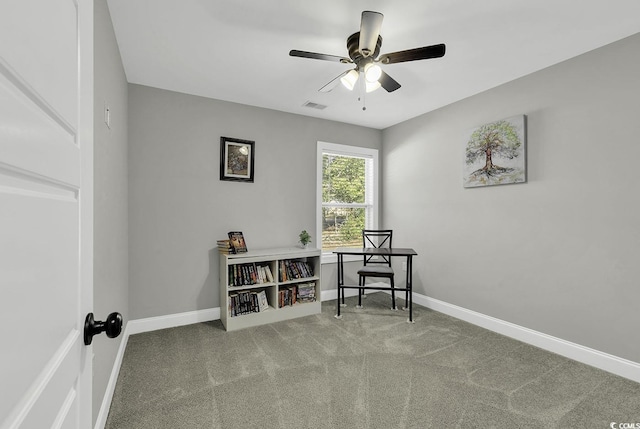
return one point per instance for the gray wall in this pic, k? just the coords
(178, 207)
(558, 254)
(111, 264)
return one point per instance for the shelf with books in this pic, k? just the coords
(296, 293)
(286, 280)
(248, 301)
(250, 274)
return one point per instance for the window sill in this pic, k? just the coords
(332, 258)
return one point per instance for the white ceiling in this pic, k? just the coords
(239, 50)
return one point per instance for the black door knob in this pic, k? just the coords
(112, 326)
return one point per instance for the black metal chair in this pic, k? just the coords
(376, 266)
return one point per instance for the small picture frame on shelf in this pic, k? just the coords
(236, 159)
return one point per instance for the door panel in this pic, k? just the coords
(45, 190)
(43, 235)
(45, 31)
(53, 398)
(29, 126)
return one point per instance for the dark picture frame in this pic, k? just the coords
(236, 159)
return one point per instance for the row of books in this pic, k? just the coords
(304, 292)
(249, 274)
(294, 269)
(247, 302)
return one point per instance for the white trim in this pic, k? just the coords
(146, 325)
(344, 150)
(173, 320)
(84, 139)
(63, 413)
(331, 294)
(604, 361)
(347, 205)
(103, 413)
(332, 258)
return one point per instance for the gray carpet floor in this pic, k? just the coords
(371, 369)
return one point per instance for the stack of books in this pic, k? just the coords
(306, 292)
(224, 246)
(300, 293)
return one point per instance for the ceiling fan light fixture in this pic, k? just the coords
(371, 86)
(372, 72)
(349, 80)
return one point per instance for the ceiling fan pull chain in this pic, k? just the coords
(363, 90)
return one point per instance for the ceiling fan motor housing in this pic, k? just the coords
(353, 45)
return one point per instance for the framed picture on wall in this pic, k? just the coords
(236, 159)
(495, 153)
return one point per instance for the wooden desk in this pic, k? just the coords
(369, 251)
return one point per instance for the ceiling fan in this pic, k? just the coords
(364, 48)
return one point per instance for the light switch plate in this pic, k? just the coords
(107, 115)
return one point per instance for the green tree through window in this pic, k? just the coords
(347, 196)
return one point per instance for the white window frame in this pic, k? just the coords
(372, 193)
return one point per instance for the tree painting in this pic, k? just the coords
(495, 153)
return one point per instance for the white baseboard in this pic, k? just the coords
(172, 320)
(331, 294)
(610, 363)
(146, 325)
(101, 421)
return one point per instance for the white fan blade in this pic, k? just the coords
(333, 83)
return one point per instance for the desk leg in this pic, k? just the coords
(339, 283)
(407, 279)
(410, 287)
(408, 283)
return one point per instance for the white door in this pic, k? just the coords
(46, 177)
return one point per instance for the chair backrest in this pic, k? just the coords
(378, 238)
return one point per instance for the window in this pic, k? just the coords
(347, 195)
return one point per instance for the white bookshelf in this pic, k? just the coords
(274, 313)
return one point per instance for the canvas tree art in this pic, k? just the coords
(495, 153)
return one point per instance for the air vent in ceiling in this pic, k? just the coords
(313, 105)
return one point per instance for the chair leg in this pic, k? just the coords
(393, 294)
(360, 283)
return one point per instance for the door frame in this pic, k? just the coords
(85, 142)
